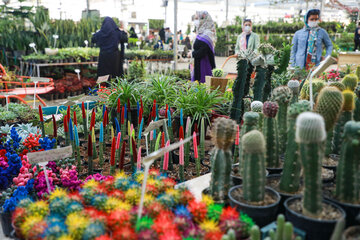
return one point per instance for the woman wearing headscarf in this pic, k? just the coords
(308, 42)
(203, 49)
(247, 40)
(108, 39)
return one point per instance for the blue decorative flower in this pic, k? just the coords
(47, 143)
(182, 211)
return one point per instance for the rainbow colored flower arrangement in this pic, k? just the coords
(107, 209)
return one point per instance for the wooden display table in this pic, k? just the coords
(349, 58)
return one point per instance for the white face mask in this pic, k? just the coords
(196, 22)
(247, 29)
(313, 24)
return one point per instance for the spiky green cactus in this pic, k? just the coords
(338, 85)
(310, 135)
(294, 85)
(257, 106)
(317, 86)
(250, 123)
(222, 136)
(238, 90)
(357, 72)
(282, 95)
(253, 144)
(347, 188)
(357, 103)
(345, 116)
(329, 105)
(217, 72)
(271, 136)
(267, 87)
(259, 83)
(248, 79)
(284, 230)
(290, 178)
(350, 81)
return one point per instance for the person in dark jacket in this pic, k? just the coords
(108, 39)
(357, 38)
(162, 35)
(203, 49)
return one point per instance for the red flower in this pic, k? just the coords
(124, 233)
(172, 234)
(186, 196)
(169, 183)
(104, 237)
(118, 218)
(164, 223)
(154, 209)
(198, 210)
(229, 213)
(213, 235)
(95, 214)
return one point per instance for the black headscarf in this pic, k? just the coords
(107, 27)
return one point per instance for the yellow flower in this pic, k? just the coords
(209, 226)
(65, 237)
(152, 181)
(91, 184)
(148, 199)
(173, 193)
(132, 195)
(207, 199)
(29, 223)
(39, 208)
(114, 203)
(58, 193)
(76, 224)
(120, 175)
(139, 177)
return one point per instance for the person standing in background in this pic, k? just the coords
(308, 42)
(357, 38)
(162, 35)
(247, 40)
(108, 39)
(203, 49)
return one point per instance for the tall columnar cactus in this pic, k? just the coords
(357, 72)
(345, 116)
(329, 105)
(250, 123)
(338, 85)
(257, 106)
(248, 79)
(259, 83)
(347, 187)
(311, 135)
(222, 136)
(253, 144)
(284, 230)
(238, 90)
(290, 178)
(282, 95)
(267, 87)
(294, 85)
(357, 103)
(350, 81)
(271, 136)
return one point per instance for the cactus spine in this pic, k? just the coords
(350, 81)
(310, 135)
(357, 103)
(282, 95)
(294, 85)
(290, 178)
(338, 85)
(238, 90)
(345, 116)
(221, 160)
(250, 123)
(259, 83)
(257, 106)
(347, 187)
(253, 144)
(271, 136)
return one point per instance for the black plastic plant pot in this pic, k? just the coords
(6, 223)
(352, 233)
(273, 171)
(283, 195)
(262, 215)
(351, 210)
(315, 229)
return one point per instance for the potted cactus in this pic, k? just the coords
(257, 106)
(271, 137)
(357, 104)
(281, 230)
(347, 187)
(282, 95)
(253, 198)
(217, 80)
(345, 116)
(223, 135)
(294, 85)
(311, 213)
(350, 81)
